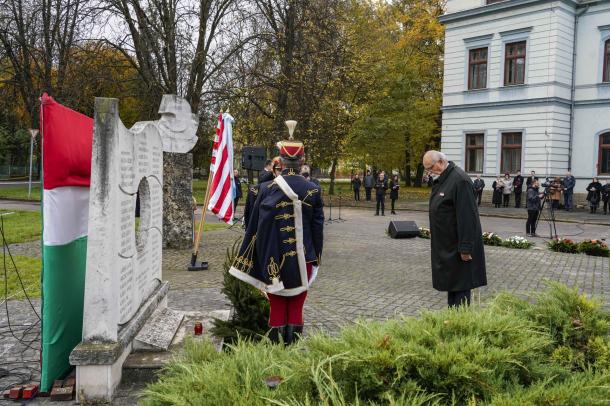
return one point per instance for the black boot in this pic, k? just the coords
(277, 333)
(292, 334)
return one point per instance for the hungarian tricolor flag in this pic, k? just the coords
(66, 161)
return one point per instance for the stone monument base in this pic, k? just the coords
(99, 365)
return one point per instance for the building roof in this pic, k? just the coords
(503, 6)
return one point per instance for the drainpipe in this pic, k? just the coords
(573, 90)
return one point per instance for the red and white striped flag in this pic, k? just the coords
(219, 129)
(222, 188)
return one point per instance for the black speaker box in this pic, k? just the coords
(403, 229)
(253, 158)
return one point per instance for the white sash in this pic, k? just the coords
(298, 225)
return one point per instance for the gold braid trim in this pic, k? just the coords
(284, 216)
(287, 229)
(283, 204)
(290, 241)
(273, 269)
(244, 262)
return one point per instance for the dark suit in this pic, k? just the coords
(380, 187)
(455, 229)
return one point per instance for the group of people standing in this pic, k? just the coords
(381, 186)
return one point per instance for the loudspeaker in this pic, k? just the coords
(253, 158)
(403, 229)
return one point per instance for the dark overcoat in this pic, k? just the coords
(269, 244)
(455, 228)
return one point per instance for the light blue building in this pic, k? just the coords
(519, 95)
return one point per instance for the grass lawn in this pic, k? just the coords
(342, 187)
(29, 270)
(20, 193)
(21, 226)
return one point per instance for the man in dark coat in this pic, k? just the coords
(380, 188)
(369, 182)
(478, 185)
(281, 250)
(238, 191)
(267, 173)
(518, 188)
(458, 258)
(264, 176)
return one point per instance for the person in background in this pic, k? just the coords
(369, 182)
(457, 252)
(380, 187)
(306, 173)
(606, 195)
(533, 204)
(238, 191)
(394, 187)
(594, 194)
(277, 167)
(356, 184)
(498, 187)
(508, 189)
(568, 184)
(478, 186)
(555, 190)
(531, 179)
(518, 187)
(267, 172)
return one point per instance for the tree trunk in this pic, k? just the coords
(333, 170)
(407, 167)
(419, 174)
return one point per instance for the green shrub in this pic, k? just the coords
(595, 248)
(424, 233)
(551, 352)
(492, 239)
(573, 321)
(563, 245)
(250, 315)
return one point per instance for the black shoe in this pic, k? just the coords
(292, 334)
(277, 333)
(377, 214)
(382, 214)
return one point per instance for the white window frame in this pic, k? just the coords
(508, 37)
(482, 41)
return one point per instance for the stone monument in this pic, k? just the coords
(178, 127)
(123, 285)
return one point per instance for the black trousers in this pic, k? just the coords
(530, 225)
(368, 193)
(461, 297)
(477, 195)
(393, 201)
(380, 202)
(505, 200)
(357, 195)
(517, 200)
(606, 204)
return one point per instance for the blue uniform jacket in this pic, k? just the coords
(268, 249)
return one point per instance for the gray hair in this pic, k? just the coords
(436, 156)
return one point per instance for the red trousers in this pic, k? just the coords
(287, 309)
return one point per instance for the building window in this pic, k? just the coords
(514, 64)
(474, 153)
(607, 61)
(511, 152)
(603, 167)
(477, 68)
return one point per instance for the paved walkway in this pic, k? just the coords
(365, 274)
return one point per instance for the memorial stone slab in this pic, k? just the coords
(123, 283)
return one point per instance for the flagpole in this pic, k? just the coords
(203, 265)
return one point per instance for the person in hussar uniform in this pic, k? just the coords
(282, 246)
(266, 175)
